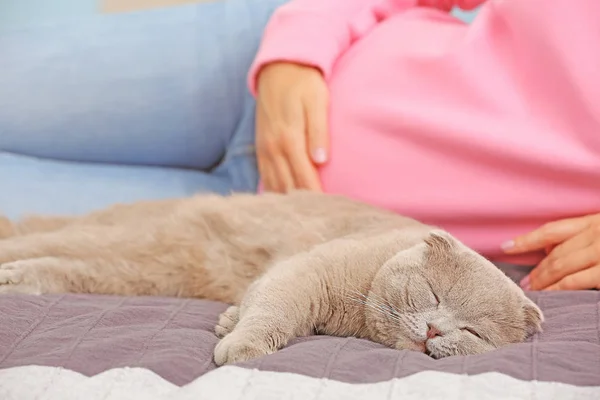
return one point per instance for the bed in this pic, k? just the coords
(102, 347)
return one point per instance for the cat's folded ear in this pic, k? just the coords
(440, 240)
(533, 318)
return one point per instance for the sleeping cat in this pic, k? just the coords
(291, 265)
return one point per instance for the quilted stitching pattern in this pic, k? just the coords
(174, 338)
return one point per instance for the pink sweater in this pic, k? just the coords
(488, 130)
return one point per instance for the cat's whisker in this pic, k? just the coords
(367, 304)
(377, 296)
(377, 303)
(373, 299)
(384, 311)
(377, 306)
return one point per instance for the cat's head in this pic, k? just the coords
(443, 299)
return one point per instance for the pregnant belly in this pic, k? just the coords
(412, 134)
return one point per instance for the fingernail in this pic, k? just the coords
(525, 284)
(508, 245)
(319, 155)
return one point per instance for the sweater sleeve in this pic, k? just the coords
(317, 32)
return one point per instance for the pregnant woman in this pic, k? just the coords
(489, 130)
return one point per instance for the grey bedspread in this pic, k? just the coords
(174, 339)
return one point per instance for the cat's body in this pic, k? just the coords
(295, 264)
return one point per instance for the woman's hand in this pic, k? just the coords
(573, 254)
(291, 126)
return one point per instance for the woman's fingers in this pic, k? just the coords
(317, 135)
(553, 269)
(291, 133)
(576, 254)
(582, 280)
(265, 168)
(578, 242)
(266, 174)
(294, 169)
(548, 235)
(276, 175)
(310, 147)
(304, 171)
(283, 174)
(274, 167)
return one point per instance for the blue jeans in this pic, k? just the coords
(127, 106)
(103, 108)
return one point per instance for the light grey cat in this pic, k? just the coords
(292, 265)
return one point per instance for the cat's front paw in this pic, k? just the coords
(239, 347)
(19, 277)
(227, 321)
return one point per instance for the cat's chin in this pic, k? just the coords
(421, 347)
(413, 345)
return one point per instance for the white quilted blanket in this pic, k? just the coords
(233, 383)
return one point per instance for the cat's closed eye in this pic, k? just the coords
(436, 299)
(472, 332)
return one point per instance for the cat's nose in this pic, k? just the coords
(433, 331)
